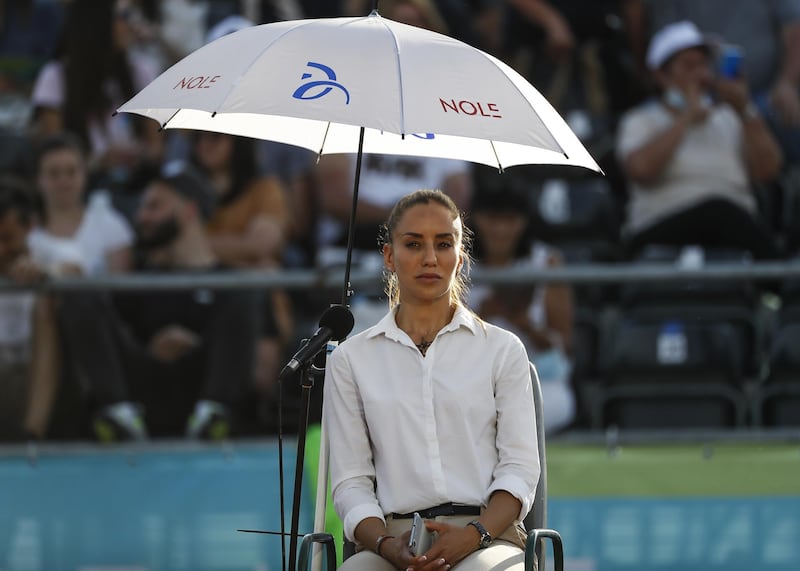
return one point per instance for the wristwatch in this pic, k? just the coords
(486, 537)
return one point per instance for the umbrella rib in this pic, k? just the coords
(171, 117)
(399, 76)
(527, 101)
(494, 150)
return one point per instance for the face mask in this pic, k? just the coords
(674, 98)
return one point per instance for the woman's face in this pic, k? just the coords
(425, 253)
(214, 150)
(62, 177)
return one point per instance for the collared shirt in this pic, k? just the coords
(409, 432)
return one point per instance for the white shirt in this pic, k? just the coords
(102, 231)
(709, 163)
(453, 426)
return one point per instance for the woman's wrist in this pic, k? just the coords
(379, 542)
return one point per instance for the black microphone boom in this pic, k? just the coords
(335, 323)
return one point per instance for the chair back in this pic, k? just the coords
(537, 517)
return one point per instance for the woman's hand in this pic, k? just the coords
(395, 550)
(452, 545)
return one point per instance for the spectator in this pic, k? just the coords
(95, 72)
(574, 51)
(692, 155)
(28, 29)
(769, 34)
(541, 315)
(248, 230)
(184, 354)
(29, 351)
(75, 236)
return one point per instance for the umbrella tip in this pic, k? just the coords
(114, 113)
(214, 114)
(566, 156)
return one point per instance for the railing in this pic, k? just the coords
(332, 278)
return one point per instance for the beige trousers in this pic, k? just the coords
(505, 554)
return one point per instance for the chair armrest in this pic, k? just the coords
(535, 537)
(304, 557)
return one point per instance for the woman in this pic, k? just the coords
(541, 315)
(431, 410)
(95, 71)
(75, 236)
(248, 230)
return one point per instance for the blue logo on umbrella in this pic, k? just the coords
(300, 92)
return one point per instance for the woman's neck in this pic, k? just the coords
(423, 322)
(64, 221)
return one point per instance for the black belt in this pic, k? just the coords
(443, 509)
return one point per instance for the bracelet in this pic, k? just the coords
(380, 541)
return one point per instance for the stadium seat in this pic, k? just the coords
(679, 353)
(776, 399)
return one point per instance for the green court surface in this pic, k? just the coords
(674, 470)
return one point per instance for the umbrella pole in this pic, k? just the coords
(347, 290)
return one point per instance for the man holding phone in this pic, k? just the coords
(768, 32)
(691, 155)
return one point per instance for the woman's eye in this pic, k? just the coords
(445, 244)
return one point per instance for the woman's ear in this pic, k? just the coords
(388, 257)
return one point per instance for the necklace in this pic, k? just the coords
(423, 346)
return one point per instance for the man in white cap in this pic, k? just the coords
(691, 155)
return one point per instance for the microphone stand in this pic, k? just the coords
(308, 373)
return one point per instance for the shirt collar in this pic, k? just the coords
(388, 326)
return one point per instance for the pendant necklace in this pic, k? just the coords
(423, 346)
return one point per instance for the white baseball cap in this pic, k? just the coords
(672, 39)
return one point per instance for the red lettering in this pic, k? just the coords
(471, 108)
(197, 82)
(493, 107)
(210, 81)
(461, 105)
(446, 105)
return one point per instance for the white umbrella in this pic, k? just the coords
(366, 84)
(315, 83)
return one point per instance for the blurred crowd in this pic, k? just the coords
(692, 109)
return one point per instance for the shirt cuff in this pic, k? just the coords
(518, 488)
(357, 515)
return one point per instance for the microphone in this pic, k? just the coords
(336, 322)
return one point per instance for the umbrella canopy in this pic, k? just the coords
(317, 83)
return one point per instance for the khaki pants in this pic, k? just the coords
(505, 554)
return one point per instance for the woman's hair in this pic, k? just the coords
(90, 61)
(243, 165)
(460, 286)
(60, 142)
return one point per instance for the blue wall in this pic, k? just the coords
(178, 508)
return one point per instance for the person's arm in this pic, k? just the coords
(634, 16)
(334, 177)
(761, 151)
(785, 93)
(262, 242)
(120, 260)
(45, 368)
(559, 307)
(560, 40)
(645, 164)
